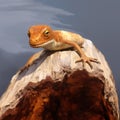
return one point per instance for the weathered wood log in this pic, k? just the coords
(57, 88)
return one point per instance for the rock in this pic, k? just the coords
(57, 88)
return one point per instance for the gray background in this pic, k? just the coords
(93, 19)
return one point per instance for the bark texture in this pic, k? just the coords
(57, 88)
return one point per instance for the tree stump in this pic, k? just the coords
(57, 88)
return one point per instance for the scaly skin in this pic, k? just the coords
(43, 36)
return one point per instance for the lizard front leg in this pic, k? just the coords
(30, 61)
(84, 59)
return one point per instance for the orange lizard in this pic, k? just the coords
(43, 36)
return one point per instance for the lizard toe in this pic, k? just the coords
(87, 60)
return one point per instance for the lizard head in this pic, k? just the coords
(40, 35)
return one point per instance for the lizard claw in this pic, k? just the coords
(88, 60)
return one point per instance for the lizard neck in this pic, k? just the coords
(57, 35)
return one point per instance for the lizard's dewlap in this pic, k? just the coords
(53, 45)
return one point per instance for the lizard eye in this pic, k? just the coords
(46, 33)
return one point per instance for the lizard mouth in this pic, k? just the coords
(44, 45)
(35, 46)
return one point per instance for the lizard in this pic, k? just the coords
(45, 37)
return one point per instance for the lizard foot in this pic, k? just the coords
(88, 60)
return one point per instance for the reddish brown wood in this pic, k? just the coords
(78, 97)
